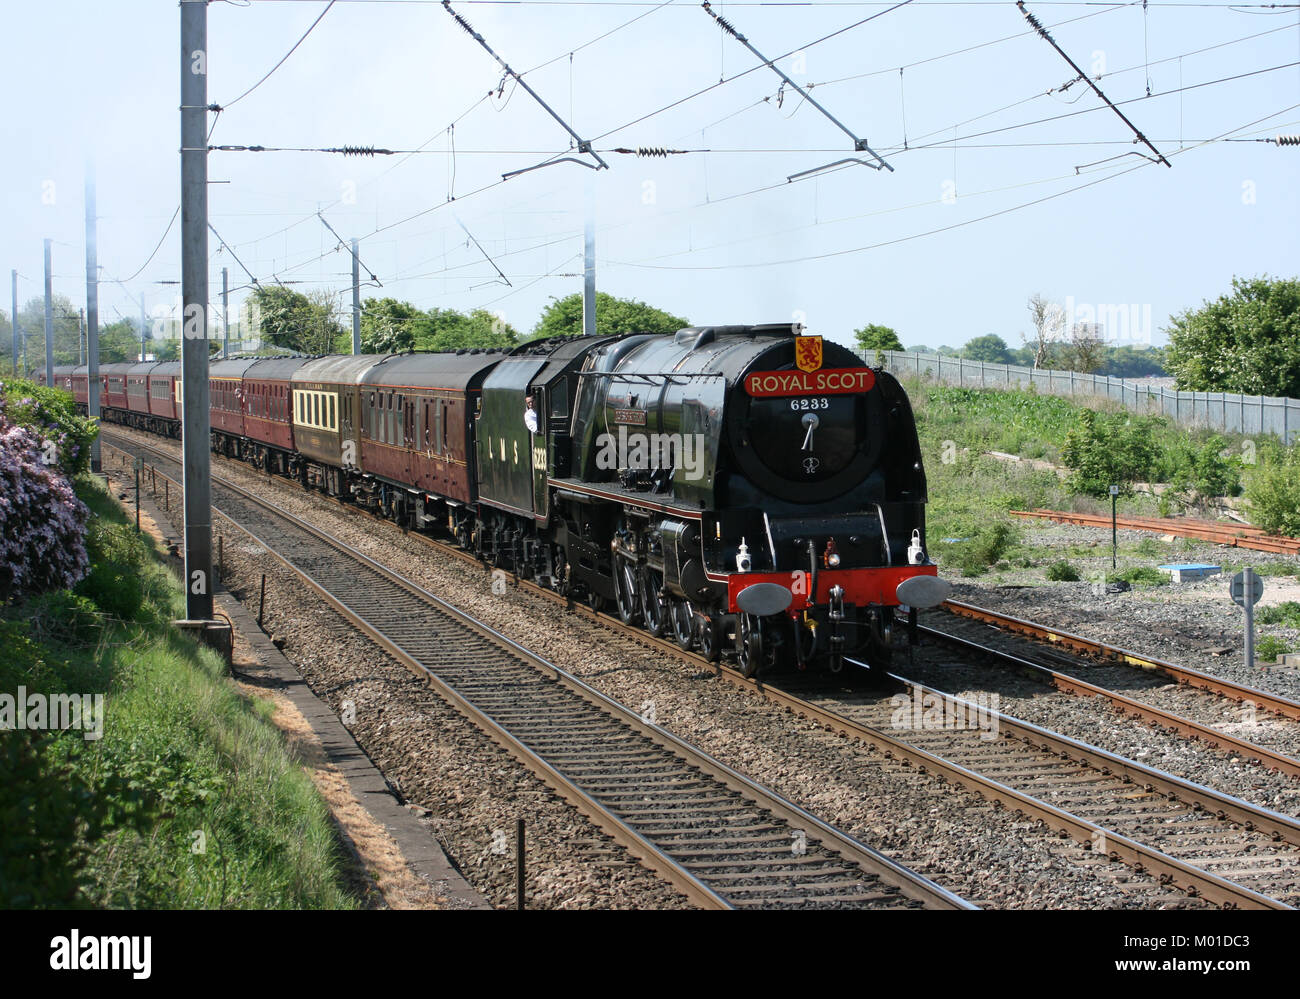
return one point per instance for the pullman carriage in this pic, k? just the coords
(81, 388)
(325, 407)
(63, 377)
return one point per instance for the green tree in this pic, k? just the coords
(119, 341)
(1133, 362)
(387, 326)
(66, 328)
(1106, 449)
(447, 329)
(1273, 488)
(989, 348)
(1246, 342)
(873, 337)
(1201, 467)
(287, 318)
(1083, 350)
(563, 317)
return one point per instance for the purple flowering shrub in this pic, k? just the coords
(52, 413)
(42, 522)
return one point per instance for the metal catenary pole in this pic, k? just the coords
(194, 298)
(356, 300)
(49, 318)
(13, 276)
(92, 316)
(589, 263)
(225, 312)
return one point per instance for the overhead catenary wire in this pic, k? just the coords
(737, 151)
(752, 69)
(352, 252)
(229, 104)
(947, 228)
(226, 246)
(583, 146)
(1037, 25)
(1109, 6)
(859, 144)
(485, 254)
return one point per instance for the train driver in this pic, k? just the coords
(530, 415)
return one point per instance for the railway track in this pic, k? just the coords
(1192, 837)
(1207, 843)
(1276, 704)
(1045, 664)
(1236, 535)
(722, 839)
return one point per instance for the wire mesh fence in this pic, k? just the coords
(1225, 411)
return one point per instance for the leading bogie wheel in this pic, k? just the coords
(709, 635)
(749, 644)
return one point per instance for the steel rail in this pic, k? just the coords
(1195, 881)
(1128, 705)
(1237, 536)
(1275, 703)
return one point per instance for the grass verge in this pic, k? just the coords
(188, 799)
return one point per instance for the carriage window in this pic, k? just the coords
(334, 425)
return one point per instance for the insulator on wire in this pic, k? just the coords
(1288, 140)
(659, 152)
(1029, 16)
(459, 20)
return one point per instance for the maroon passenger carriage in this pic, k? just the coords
(137, 394)
(112, 393)
(81, 388)
(227, 403)
(417, 436)
(165, 399)
(268, 416)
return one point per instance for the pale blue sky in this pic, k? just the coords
(720, 237)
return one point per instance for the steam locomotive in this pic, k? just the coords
(750, 491)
